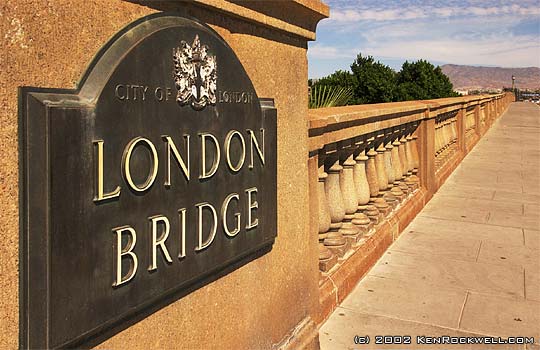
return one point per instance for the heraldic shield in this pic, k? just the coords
(195, 74)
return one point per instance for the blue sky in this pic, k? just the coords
(472, 32)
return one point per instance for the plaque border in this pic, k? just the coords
(34, 104)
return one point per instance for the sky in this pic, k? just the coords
(472, 32)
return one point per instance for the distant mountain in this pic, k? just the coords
(469, 77)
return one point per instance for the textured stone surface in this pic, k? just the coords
(49, 44)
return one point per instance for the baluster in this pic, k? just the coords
(443, 137)
(361, 220)
(415, 156)
(372, 211)
(396, 192)
(437, 143)
(412, 180)
(326, 258)
(348, 193)
(397, 166)
(403, 160)
(396, 159)
(382, 177)
(444, 143)
(334, 239)
(389, 196)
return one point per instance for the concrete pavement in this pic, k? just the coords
(469, 263)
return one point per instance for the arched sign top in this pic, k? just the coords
(173, 31)
(154, 177)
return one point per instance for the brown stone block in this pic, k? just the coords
(410, 209)
(326, 265)
(304, 336)
(346, 275)
(327, 300)
(340, 250)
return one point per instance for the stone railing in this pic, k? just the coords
(372, 169)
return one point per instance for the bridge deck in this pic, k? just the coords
(469, 263)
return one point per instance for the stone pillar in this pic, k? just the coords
(412, 180)
(477, 123)
(403, 160)
(334, 239)
(396, 160)
(416, 155)
(348, 193)
(382, 176)
(436, 138)
(361, 220)
(327, 259)
(392, 147)
(390, 196)
(371, 172)
(426, 139)
(461, 129)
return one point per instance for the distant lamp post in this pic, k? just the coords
(513, 86)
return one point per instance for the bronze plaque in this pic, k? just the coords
(154, 177)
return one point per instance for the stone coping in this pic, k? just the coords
(296, 17)
(334, 124)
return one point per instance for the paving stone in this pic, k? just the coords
(499, 316)
(478, 215)
(448, 273)
(392, 297)
(467, 230)
(441, 244)
(502, 218)
(532, 284)
(505, 254)
(532, 238)
(503, 195)
(346, 324)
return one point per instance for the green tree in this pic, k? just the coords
(421, 80)
(373, 81)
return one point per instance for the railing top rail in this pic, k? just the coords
(333, 124)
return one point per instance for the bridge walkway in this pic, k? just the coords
(469, 263)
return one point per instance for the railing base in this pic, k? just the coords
(335, 285)
(448, 168)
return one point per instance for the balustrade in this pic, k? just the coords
(375, 158)
(446, 137)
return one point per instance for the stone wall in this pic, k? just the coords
(49, 44)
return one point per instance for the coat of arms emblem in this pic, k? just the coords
(195, 74)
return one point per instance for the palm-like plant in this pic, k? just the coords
(329, 96)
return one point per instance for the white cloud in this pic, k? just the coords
(486, 52)
(326, 52)
(353, 14)
(473, 32)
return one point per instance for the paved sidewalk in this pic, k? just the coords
(469, 263)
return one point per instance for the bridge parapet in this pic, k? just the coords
(373, 167)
